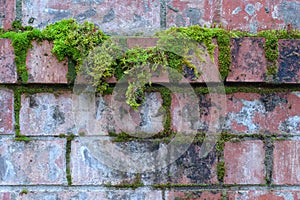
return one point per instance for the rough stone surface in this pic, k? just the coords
(248, 60)
(244, 162)
(112, 114)
(5, 196)
(103, 194)
(193, 168)
(184, 13)
(286, 164)
(263, 195)
(7, 118)
(46, 114)
(7, 13)
(97, 161)
(263, 113)
(289, 61)
(116, 17)
(31, 163)
(8, 72)
(255, 15)
(193, 195)
(43, 66)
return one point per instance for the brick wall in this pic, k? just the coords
(254, 156)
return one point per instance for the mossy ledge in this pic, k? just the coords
(75, 41)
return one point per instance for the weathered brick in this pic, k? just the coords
(244, 162)
(103, 194)
(89, 166)
(184, 13)
(31, 163)
(286, 163)
(112, 114)
(263, 113)
(289, 61)
(248, 60)
(193, 113)
(117, 16)
(5, 196)
(263, 194)
(255, 15)
(7, 118)
(193, 195)
(8, 72)
(43, 66)
(192, 168)
(8, 13)
(46, 114)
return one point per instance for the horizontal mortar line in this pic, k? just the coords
(92, 188)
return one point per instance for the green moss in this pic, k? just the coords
(221, 170)
(73, 40)
(21, 42)
(223, 39)
(69, 139)
(22, 138)
(125, 184)
(24, 191)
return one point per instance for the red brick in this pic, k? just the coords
(46, 114)
(263, 195)
(255, 15)
(185, 12)
(8, 13)
(193, 195)
(5, 196)
(286, 164)
(263, 113)
(7, 118)
(32, 163)
(248, 60)
(103, 194)
(117, 16)
(244, 162)
(289, 61)
(115, 115)
(8, 72)
(43, 66)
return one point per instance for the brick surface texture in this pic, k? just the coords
(244, 163)
(32, 163)
(6, 111)
(43, 67)
(63, 142)
(8, 72)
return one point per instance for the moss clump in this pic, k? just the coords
(24, 191)
(221, 170)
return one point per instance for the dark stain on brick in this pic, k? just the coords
(86, 14)
(58, 116)
(194, 167)
(32, 102)
(179, 21)
(289, 61)
(109, 16)
(204, 105)
(270, 101)
(194, 14)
